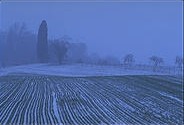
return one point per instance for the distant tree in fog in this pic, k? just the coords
(109, 60)
(157, 61)
(128, 59)
(42, 43)
(19, 45)
(2, 46)
(60, 48)
(179, 61)
(77, 52)
(93, 58)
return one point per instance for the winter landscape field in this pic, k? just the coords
(28, 97)
(91, 62)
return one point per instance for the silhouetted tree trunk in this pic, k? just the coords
(42, 44)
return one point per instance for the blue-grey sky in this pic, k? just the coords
(0, 15)
(108, 28)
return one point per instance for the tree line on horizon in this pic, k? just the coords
(19, 46)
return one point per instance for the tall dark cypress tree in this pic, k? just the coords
(42, 44)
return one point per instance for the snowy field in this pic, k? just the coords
(131, 99)
(87, 94)
(75, 70)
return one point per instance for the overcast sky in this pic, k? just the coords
(108, 28)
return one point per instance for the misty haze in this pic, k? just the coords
(91, 62)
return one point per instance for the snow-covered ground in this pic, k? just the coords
(74, 70)
(115, 100)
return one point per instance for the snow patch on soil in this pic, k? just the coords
(74, 70)
(170, 96)
(55, 107)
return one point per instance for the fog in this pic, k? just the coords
(91, 62)
(107, 28)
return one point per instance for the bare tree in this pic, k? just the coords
(179, 61)
(128, 60)
(19, 45)
(157, 61)
(60, 48)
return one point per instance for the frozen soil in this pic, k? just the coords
(129, 99)
(76, 70)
